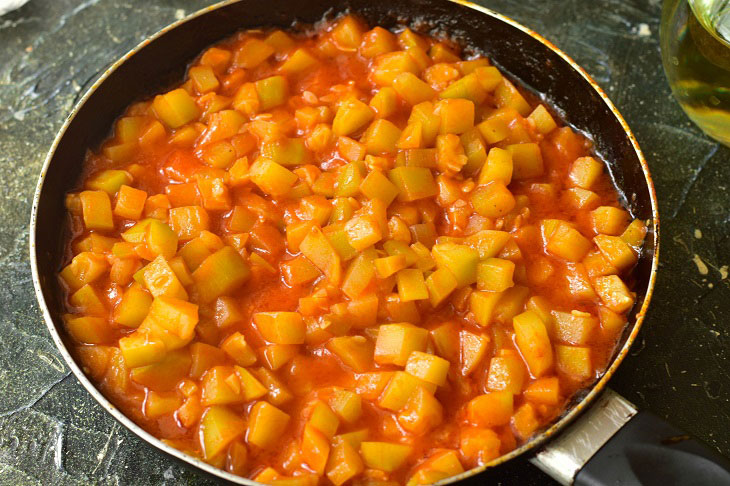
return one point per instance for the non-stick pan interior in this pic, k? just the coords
(162, 62)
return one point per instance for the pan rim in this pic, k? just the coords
(567, 417)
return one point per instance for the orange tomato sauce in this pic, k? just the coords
(504, 208)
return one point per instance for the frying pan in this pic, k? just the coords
(600, 438)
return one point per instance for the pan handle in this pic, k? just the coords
(614, 444)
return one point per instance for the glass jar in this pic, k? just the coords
(695, 42)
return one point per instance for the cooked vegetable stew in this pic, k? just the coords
(345, 256)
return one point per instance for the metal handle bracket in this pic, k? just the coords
(564, 456)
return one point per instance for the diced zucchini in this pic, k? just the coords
(175, 108)
(421, 413)
(363, 231)
(412, 89)
(299, 61)
(252, 53)
(396, 342)
(460, 260)
(616, 251)
(543, 120)
(495, 274)
(381, 137)
(109, 181)
(457, 115)
(473, 350)
(220, 273)
(411, 285)
(385, 456)
(492, 200)
(85, 268)
(574, 327)
(272, 178)
(388, 66)
(413, 183)
(203, 78)
(354, 351)
(384, 102)
(134, 306)
(266, 423)
(317, 248)
(281, 327)
(219, 426)
(469, 87)
(272, 92)
(574, 361)
(532, 339)
(482, 306)
(344, 463)
(351, 116)
(498, 167)
(88, 329)
(584, 172)
(346, 404)
(491, 409)
(526, 160)
(614, 293)
(141, 349)
(506, 373)
(97, 210)
(428, 367)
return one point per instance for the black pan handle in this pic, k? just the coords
(651, 452)
(612, 444)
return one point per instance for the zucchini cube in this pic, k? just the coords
(460, 260)
(422, 413)
(266, 424)
(354, 351)
(428, 367)
(491, 409)
(533, 342)
(574, 361)
(344, 463)
(385, 456)
(281, 327)
(219, 426)
(396, 342)
(221, 273)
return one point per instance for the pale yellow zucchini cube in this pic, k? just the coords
(473, 350)
(428, 367)
(344, 463)
(584, 172)
(421, 413)
(385, 456)
(574, 327)
(346, 404)
(411, 285)
(323, 419)
(495, 274)
(281, 327)
(266, 424)
(482, 305)
(533, 341)
(354, 351)
(574, 361)
(396, 342)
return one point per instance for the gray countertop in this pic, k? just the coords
(52, 432)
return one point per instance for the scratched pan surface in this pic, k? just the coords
(160, 62)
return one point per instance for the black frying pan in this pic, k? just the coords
(610, 442)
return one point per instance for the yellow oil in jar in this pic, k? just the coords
(695, 41)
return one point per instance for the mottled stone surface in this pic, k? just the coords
(52, 432)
